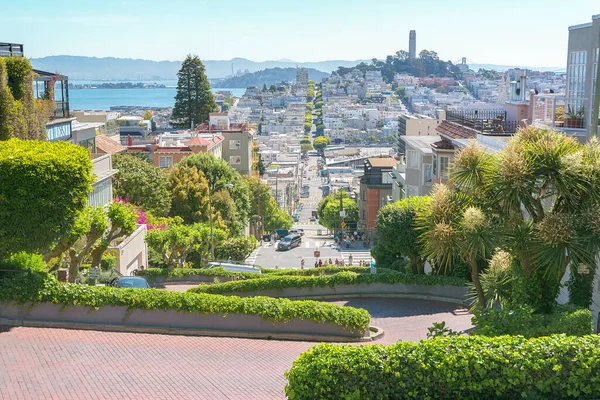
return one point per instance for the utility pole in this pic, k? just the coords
(342, 215)
(596, 105)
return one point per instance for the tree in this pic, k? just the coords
(271, 215)
(306, 147)
(235, 249)
(398, 233)
(189, 192)
(218, 172)
(21, 115)
(264, 89)
(371, 139)
(194, 100)
(178, 241)
(329, 210)
(122, 222)
(148, 114)
(305, 140)
(88, 230)
(43, 187)
(260, 166)
(321, 142)
(142, 184)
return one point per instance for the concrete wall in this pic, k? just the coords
(117, 319)
(133, 252)
(447, 293)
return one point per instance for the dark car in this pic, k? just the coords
(130, 282)
(280, 233)
(289, 242)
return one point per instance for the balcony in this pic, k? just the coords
(11, 49)
(487, 122)
(559, 112)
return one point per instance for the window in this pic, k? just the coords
(595, 69)
(101, 194)
(444, 168)
(165, 161)
(386, 178)
(576, 76)
(412, 159)
(235, 160)
(427, 174)
(235, 144)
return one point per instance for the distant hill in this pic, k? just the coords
(501, 68)
(127, 69)
(269, 76)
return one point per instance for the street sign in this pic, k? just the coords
(343, 224)
(343, 213)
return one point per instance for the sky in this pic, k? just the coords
(508, 32)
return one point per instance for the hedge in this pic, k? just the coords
(565, 319)
(220, 272)
(506, 367)
(280, 282)
(42, 288)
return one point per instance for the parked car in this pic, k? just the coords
(313, 218)
(289, 242)
(234, 267)
(135, 282)
(296, 218)
(297, 232)
(280, 233)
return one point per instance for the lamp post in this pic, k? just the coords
(210, 216)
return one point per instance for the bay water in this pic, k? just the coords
(103, 99)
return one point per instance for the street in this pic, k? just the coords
(267, 256)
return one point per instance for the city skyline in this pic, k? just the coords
(532, 34)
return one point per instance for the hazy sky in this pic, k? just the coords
(516, 32)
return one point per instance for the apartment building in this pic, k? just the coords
(571, 112)
(418, 176)
(375, 188)
(415, 125)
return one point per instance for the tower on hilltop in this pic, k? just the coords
(412, 44)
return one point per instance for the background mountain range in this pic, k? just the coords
(126, 69)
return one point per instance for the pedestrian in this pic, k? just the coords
(337, 262)
(355, 235)
(350, 260)
(272, 240)
(316, 264)
(320, 263)
(329, 262)
(360, 263)
(302, 264)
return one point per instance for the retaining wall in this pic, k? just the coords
(157, 321)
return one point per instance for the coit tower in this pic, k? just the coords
(412, 44)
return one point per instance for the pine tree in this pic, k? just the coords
(194, 100)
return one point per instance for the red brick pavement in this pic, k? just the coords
(39, 363)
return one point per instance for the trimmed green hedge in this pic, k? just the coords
(566, 319)
(220, 272)
(280, 282)
(184, 272)
(507, 367)
(41, 288)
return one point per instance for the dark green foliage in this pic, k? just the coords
(524, 321)
(581, 287)
(194, 100)
(142, 183)
(41, 288)
(280, 282)
(235, 249)
(43, 186)
(468, 368)
(329, 210)
(266, 272)
(108, 262)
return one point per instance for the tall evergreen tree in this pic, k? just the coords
(194, 100)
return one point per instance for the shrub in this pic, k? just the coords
(523, 321)
(23, 260)
(108, 262)
(42, 288)
(281, 282)
(557, 367)
(43, 187)
(183, 272)
(235, 249)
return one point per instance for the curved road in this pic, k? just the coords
(41, 363)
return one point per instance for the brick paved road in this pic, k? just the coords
(40, 363)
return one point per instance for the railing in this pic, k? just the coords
(558, 111)
(489, 122)
(61, 109)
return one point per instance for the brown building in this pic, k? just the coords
(375, 187)
(169, 152)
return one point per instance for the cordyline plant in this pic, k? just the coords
(538, 198)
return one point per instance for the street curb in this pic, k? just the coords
(190, 332)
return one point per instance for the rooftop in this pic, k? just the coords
(382, 162)
(455, 131)
(108, 145)
(421, 143)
